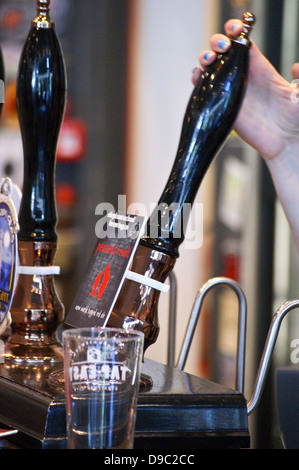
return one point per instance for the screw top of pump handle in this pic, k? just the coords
(243, 38)
(43, 19)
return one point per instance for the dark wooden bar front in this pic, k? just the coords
(180, 411)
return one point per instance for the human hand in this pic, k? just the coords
(269, 117)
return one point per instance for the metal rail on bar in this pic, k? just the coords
(195, 313)
(265, 361)
(172, 319)
(268, 351)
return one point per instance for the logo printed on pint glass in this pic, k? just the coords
(94, 373)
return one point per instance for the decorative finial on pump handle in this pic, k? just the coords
(248, 21)
(43, 19)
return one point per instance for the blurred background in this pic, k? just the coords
(129, 65)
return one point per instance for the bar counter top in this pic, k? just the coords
(179, 410)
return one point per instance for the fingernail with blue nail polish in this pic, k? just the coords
(207, 55)
(222, 44)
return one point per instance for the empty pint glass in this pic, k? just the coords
(102, 372)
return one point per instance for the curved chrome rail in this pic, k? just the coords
(267, 353)
(196, 310)
(241, 346)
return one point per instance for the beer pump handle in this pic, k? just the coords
(41, 94)
(209, 118)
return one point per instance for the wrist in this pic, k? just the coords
(284, 167)
(284, 170)
(288, 155)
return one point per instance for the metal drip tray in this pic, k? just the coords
(179, 411)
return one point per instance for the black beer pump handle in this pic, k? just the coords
(41, 95)
(209, 117)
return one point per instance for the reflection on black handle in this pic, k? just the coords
(41, 91)
(210, 114)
